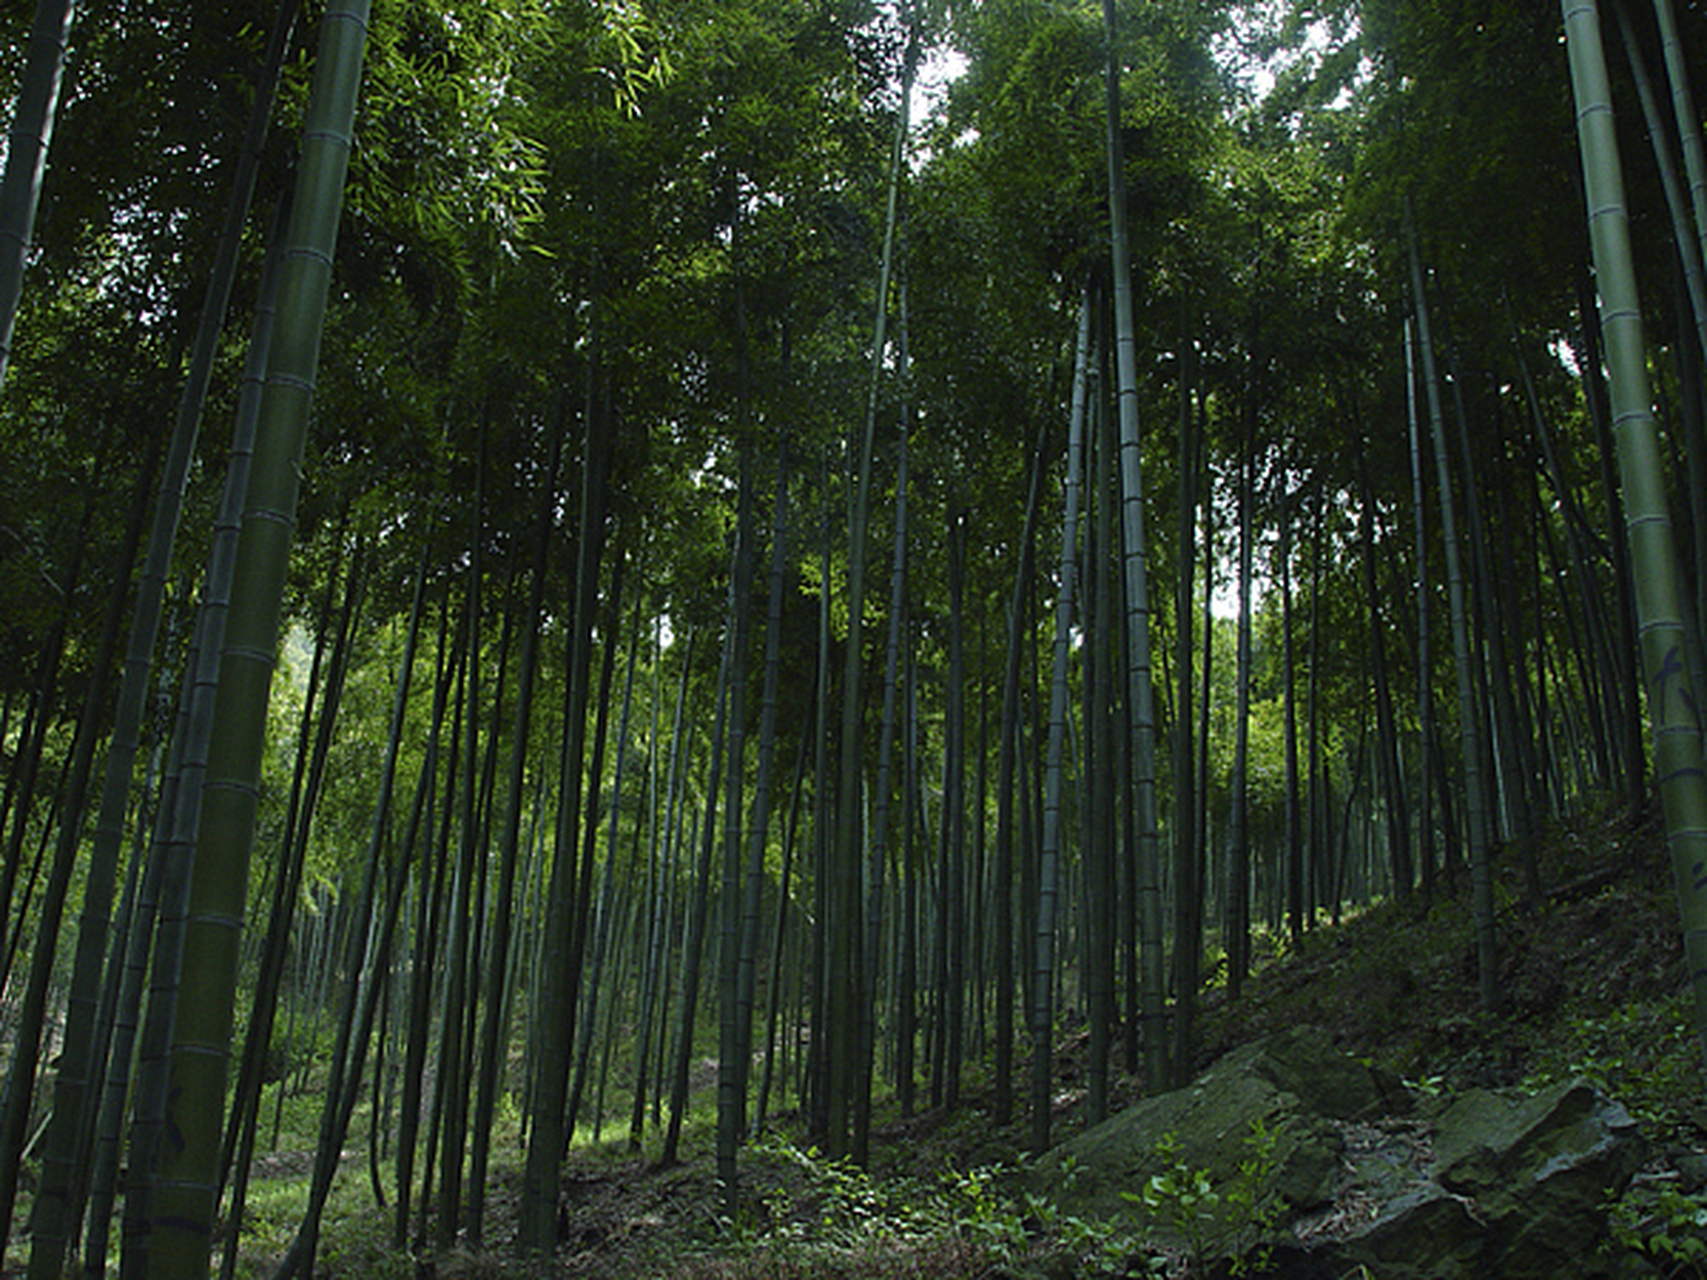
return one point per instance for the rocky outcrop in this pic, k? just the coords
(1291, 1086)
(1344, 1173)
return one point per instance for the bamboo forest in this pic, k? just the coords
(723, 637)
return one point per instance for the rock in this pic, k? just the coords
(1292, 1085)
(1426, 1234)
(1492, 1183)
(1304, 1062)
(1539, 1170)
(1517, 1188)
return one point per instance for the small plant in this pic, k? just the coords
(1429, 1086)
(1013, 1231)
(981, 1213)
(1233, 1216)
(1670, 1228)
(1644, 1054)
(815, 1205)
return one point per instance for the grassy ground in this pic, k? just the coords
(1592, 984)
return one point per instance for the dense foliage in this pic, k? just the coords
(656, 638)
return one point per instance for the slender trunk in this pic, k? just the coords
(1671, 701)
(361, 998)
(1386, 730)
(817, 1065)
(583, 930)
(1098, 846)
(1006, 781)
(1191, 867)
(663, 857)
(451, 1086)
(184, 1198)
(731, 1071)
(1425, 660)
(1318, 820)
(31, 1028)
(559, 987)
(244, 1118)
(1186, 782)
(26, 156)
(907, 974)
(424, 952)
(694, 947)
(1237, 942)
(1685, 234)
(953, 821)
(1487, 954)
(774, 984)
(846, 963)
(604, 921)
(25, 774)
(1049, 874)
(1139, 694)
(495, 1031)
(880, 821)
(59, 1201)
(757, 838)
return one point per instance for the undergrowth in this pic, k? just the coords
(1593, 986)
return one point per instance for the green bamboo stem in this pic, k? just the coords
(26, 156)
(1671, 700)
(185, 1195)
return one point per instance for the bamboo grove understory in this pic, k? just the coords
(559, 561)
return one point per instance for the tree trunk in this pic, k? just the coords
(1425, 659)
(26, 156)
(59, 1201)
(1237, 942)
(495, 1031)
(1386, 730)
(1049, 874)
(184, 1199)
(1671, 701)
(560, 979)
(846, 964)
(429, 890)
(662, 857)
(731, 1071)
(1139, 694)
(1006, 780)
(1487, 955)
(32, 1025)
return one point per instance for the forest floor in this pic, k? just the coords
(1592, 982)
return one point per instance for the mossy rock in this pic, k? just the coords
(1540, 1169)
(1289, 1085)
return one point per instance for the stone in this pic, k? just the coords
(1303, 1061)
(1426, 1234)
(1540, 1170)
(1291, 1085)
(1489, 1183)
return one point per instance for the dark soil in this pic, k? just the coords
(1591, 979)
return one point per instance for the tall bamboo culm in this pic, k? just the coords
(1671, 701)
(185, 1195)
